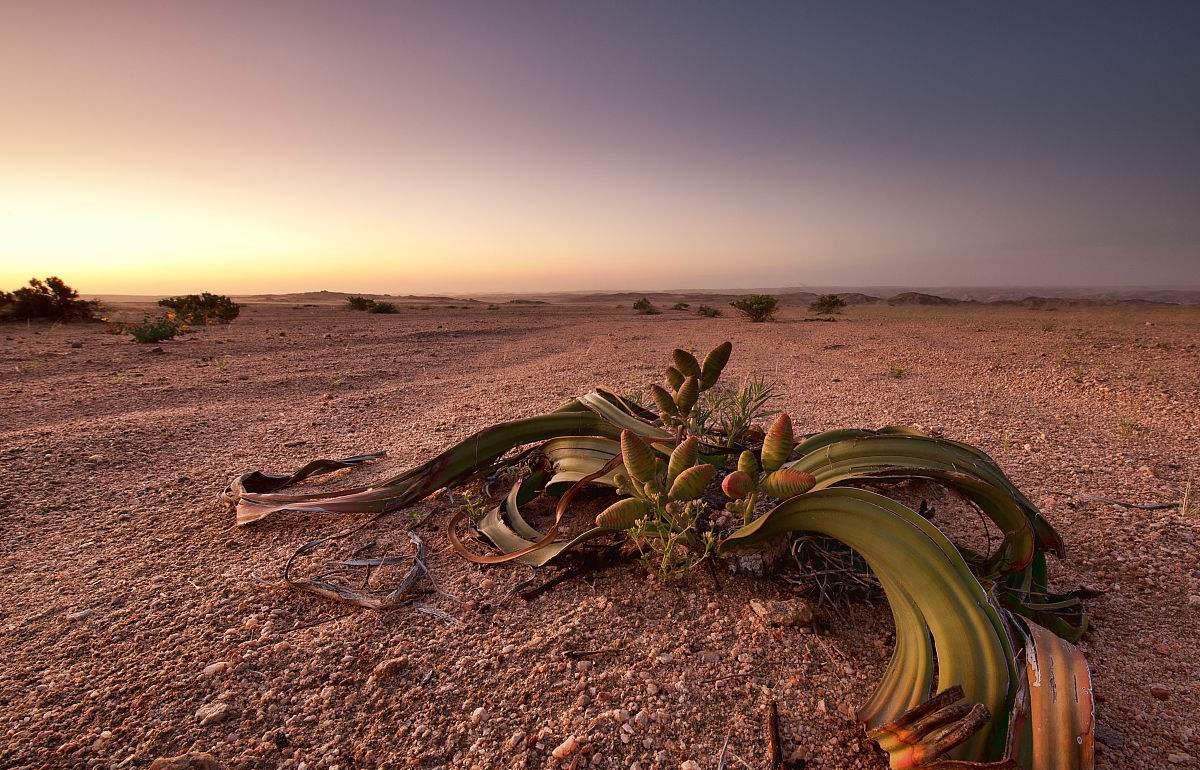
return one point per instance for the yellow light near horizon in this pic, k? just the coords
(111, 237)
(116, 229)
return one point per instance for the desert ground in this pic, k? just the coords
(138, 623)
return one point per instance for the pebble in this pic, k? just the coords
(213, 713)
(566, 748)
(1159, 691)
(515, 740)
(796, 612)
(478, 715)
(1179, 759)
(689, 765)
(193, 760)
(388, 668)
(220, 667)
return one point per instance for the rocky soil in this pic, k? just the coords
(137, 624)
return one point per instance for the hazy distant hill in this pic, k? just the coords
(326, 297)
(790, 296)
(919, 298)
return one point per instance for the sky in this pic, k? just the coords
(468, 147)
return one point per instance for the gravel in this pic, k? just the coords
(123, 584)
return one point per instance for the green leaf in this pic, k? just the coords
(925, 580)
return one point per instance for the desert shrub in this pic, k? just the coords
(155, 329)
(645, 307)
(827, 304)
(680, 306)
(205, 308)
(384, 308)
(707, 312)
(359, 303)
(49, 300)
(756, 307)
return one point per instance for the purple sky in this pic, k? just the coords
(474, 146)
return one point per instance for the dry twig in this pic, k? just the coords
(774, 749)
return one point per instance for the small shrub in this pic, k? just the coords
(1129, 426)
(896, 372)
(359, 303)
(384, 308)
(827, 304)
(155, 330)
(49, 300)
(203, 308)
(757, 307)
(680, 306)
(708, 312)
(645, 307)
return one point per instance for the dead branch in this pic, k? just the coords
(1134, 506)
(610, 556)
(774, 749)
(441, 615)
(378, 599)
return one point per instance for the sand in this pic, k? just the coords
(137, 623)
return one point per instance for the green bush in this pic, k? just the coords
(51, 300)
(645, 307)
(707, 312)
(680, 306)
(386, 308)
(203, 308)
(155, 330)
(827, 304)
(756, 307)
(359, 303)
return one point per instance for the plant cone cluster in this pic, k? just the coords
(663, 505)
(765, 474)
(686, 380)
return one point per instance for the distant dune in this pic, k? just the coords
(792, 296)
(920, 298)
(326, 297)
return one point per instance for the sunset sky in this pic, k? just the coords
(246, 147)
